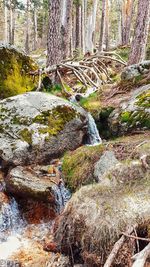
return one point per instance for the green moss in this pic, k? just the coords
(55, 119)
(143, 100)
(125, 116)
(26, 135)
(78, 166)
(14, 73)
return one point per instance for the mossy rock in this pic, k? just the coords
(132, 115)
(97, 214)
(39, 126)
(14, 72)
(78, 166)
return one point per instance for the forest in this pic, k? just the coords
(74, 133)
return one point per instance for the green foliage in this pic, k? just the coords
(92, 104)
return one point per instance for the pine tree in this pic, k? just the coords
(138, 47)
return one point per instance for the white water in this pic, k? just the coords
(14, 229)
(93, 133)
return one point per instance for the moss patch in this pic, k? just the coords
(55, 120)
(26, 135)
(14, 72)
(78, 166)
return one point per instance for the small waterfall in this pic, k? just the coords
(93, 134)
(10, 219)
(62, 195)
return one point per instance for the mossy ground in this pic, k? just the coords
(14, 72)
(92, 103)
(78, 166)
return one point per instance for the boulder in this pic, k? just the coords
(135, 70)
(133, 114)
(105, 163)
(36, 127)
(96, 215)
(14, 72)
(34, 183)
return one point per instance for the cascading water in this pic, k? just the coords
(10, 219)
(93, 134)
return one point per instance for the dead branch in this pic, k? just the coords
(67, 93)
(137, 237)
(117, 247)
(141, 257)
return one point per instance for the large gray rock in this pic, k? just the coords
(105, 163)
(132, 114)
(96, 215)
(35, 127)
(34, 182)
(135, 70)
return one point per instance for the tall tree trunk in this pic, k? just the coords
(66, 18)
(2, 22)
(83, 26)
(54, 40)
(103, 24)
(10, 18)
(35, 28)
(138, 48)
(90, 29)
(27, 27)
(78, 27)
(107, 26)
(127, 10)
(13, 26)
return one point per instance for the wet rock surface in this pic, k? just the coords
(36, 127)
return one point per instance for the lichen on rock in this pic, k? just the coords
(133, 114)
(38, 126)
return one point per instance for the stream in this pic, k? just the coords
(16, 234)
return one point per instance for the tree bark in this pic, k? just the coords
(138, 48)
(54, 40)
(90, 28)
(66, 23)
(107, 26)
(2, 22)
(127, 11)
(27, 27)
(35, 28)
(78, 27)
(103, 25)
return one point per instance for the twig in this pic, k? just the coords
(136, 237)
(117, 247)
